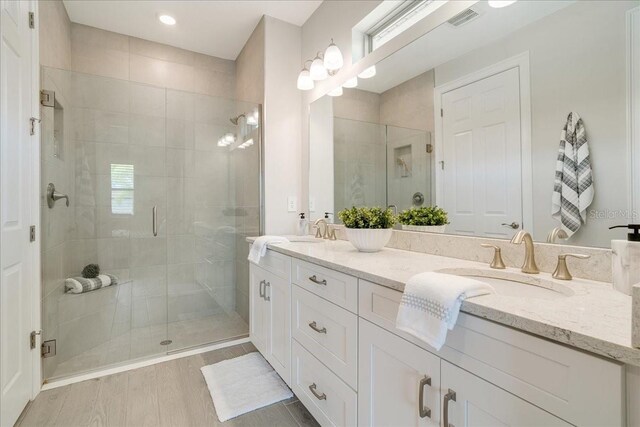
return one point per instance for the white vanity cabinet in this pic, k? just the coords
(332, 338)
(270, 318)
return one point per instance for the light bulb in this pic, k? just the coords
(317, 70)
(501, 3)
(333, 58)
(229, 137)
(336, 92)
(222, 142)
(305, 82)
(368, 73)
(352, 82)
(167, 19)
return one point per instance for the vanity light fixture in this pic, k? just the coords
(351, 83)
(252, 119)
(368, 73)
(222, 142)
(333, 58)
(305, 82)
(336, 92)
(500, 3)
(229, 137)
(167, 19)
(317, 70)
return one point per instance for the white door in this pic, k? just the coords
(482, 182)
(394, 375)
(258, 308)
(278, 297)
(479, 403)
(16, 273)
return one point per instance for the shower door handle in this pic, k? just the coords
(154, 220)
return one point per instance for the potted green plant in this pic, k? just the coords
(368, 229)
(426, 218)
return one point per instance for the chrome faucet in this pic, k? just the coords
(529, 266)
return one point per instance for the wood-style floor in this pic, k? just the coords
(167, 394)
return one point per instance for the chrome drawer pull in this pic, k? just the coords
(423, 410)
(315, 280)
(267, 285)
(314, 326)
(262, 289)
(322, 396)
(451, 395)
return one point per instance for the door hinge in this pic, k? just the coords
(48, 349)
(429, 148)
(32, 338)
(442, 164)
(32, 233)
(47, 98)
(32, 20)
(33, 121)
(441, 112)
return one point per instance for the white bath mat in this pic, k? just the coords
(243, 384)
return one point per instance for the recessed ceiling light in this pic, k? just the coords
(167, 19)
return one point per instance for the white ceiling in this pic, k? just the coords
(218, 28)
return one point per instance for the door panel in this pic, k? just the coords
(390, 374)
(15, 190)
(258, 309)
(278, 297)
(482, 186)
(480, 403)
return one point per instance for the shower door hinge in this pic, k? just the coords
(441, 112)
(48, 349)
(32, 20)
(32, 338)
(47, 98)
(32, 233)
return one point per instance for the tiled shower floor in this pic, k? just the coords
(187, 327)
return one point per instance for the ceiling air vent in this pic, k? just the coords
(463, 17)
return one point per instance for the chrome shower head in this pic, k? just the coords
(236, 119)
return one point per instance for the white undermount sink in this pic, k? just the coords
(511, 284)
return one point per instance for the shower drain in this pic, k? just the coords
(165, 342)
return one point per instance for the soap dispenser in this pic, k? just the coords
(303, 225)
(625, 260)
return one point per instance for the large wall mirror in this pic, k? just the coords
(470, 116)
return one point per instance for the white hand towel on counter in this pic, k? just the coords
(431, 303)
(259, 247)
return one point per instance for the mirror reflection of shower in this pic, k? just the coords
(247, 125)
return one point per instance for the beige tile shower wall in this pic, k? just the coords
(108, 54)
(357, 104)
(410, 104)
(55, 35)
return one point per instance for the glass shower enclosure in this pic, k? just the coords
(163, 187)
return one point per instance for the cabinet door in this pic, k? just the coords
(258, 309)
(393, 375)
(480, 403)
(278, 298)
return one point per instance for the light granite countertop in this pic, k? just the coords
(594, 318)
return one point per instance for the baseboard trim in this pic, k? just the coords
(140, 364)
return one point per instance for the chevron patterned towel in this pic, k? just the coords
(573, 189)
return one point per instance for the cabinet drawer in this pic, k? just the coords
(563, 381)
(339, 288)
(278, 264)
(329, 332)
(329, 400)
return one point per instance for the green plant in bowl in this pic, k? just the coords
(425, 218)
(368, 229)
